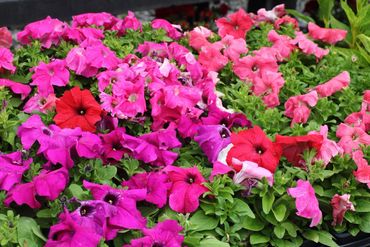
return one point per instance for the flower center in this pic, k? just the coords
(86, 210)
(254, 68)
(236, 27)
(111, 199)
(132, 98)
(260, 150)
(46, 131)
(81, 111)
(224, 133)
(190, 179)
(156, 244)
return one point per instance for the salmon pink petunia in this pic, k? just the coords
(362, 173)
(351, 137)
(211, 58)
(333, 85)
(187, 187)
(253, 145)
(77, 108)
(236, 24)
(328, 35)
(5, 38)
(309, 47)
(297, 107)
(306, 202)
(38, 103)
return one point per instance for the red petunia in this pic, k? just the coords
(236, 24)
(253, 145)
(294, 146)
(77, 108)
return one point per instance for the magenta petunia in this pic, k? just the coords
(68, 233)
(156, 184)
(6, 60)
(187, 187)
(212, 139)
(124, 201)
(48, 75)
(171, 29)
(89, 145)
(79, 35)
(112, 146)
(306, 202)
(166, 233)
(12, 167)
(102, 19)
(129, 22)
(16, 87)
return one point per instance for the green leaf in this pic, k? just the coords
(327, 239)
(257, 238)
(291, 228)
(29, 233)
(362, 206)
(201, 222)
(311, 235)
(365, 223)
(299, 15)
(279, 231)
(279, 212)
(242, 208)
(78, 192)
(192, 241)
(212, 241)
(325, 7)
(267, 202)
(252, 224)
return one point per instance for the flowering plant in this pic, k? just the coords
(120, 133)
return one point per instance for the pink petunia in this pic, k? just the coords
(211, 58)
(341, 204)
(236, 24)
(166, 233)
(351, 137)
(156, 184)
(306, 202)
(49, 31)
(77, 61)
(198, 37)
(129, 22)
(186, 188)
(328, 35)
(333, 85)
(12, 167)
(268, 86)
(16, 87)
(251, 170)
(270, 15)
(283, 45)
(102, 19)
(250, 67)
(89, 145)
(328, 148)
(297, 107)
(233, 48)
(48, 75)
(6, 39)
(171, 29)
(362, 174)
(38, 103)
(6, 60)
(309, 47)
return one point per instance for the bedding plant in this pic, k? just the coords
(120, 133)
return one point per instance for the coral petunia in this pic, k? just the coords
(328, 35)
(5, 38)
(77, 108)
(236, 24)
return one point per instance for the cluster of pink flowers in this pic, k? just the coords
(166, 83)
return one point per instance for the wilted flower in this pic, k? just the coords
(341, 204)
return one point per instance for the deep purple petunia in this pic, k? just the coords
(166, 234)
(186, 188)
(156, 184)
(212, 139)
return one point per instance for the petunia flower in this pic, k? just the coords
(49, 31)
(233, 48)
(294, 146)
(283, 45)
(341, 204)
(212, 139)
(333, 85)
(156, 184)
(38, 103)
(129, 22)
(286, 20)
(89, 146)
(12, 167)
(77, 61)
(309, 47)
(48, 184)
(251, 170)
(264, 15)
(362, 174)
(166, 233)
(198, 37)
(102, 19)
(124, 201)
(77, 108)
(253, 145)
(250, 67)
(16, 87)
(236, 24)
(186, 188)
(351, 137)
(6, 60)
(6, 39)
(69, 233)
(171, 29)
(306, 202)
(211, 58)
(78, 35)
(268, 86)
(328, 148)
(48, 75)
(328, 35)
(112, 145)
(297, 107)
